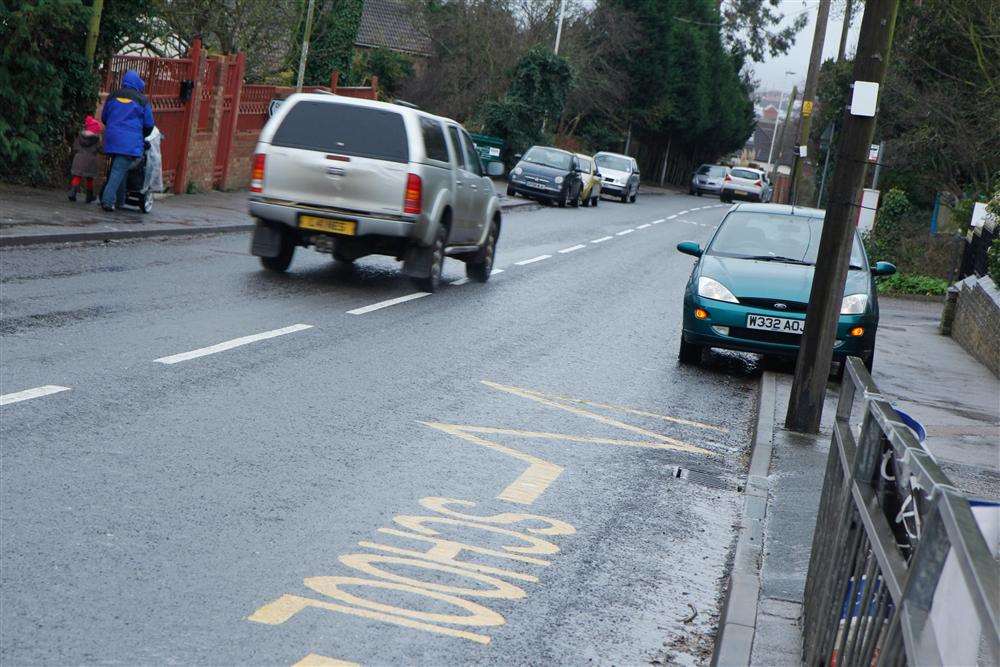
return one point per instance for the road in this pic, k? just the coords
(235, 467)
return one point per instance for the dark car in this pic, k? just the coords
(548, 175)
(750, 288)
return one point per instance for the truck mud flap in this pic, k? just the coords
(266, 241)
(417, 262)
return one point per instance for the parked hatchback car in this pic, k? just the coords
(590, 192)
(547, 174)
(750, 287)
(708, 178)
(356, 177)
(620, 175)
(747, 184)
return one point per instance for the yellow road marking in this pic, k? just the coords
(530, 484)
(633, 411)
(317, 660)
(665, 443)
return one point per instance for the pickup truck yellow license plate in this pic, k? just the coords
(345, 227)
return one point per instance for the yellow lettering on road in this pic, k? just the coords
(440, 505)
(536, 545)
(282, 609)
(498, 588)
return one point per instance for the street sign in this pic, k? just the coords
(873, 153)
(807, 108)
(803, 150)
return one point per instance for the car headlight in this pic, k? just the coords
(713, 289)
(854, 304)
(559, 180)
(518, 171)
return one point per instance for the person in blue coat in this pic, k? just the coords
(128, 119)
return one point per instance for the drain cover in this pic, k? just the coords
(703, 478)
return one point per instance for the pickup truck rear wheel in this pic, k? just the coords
(480, 268)
(433, 281)
(280, 262)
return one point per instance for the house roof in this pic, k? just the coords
(393, 25)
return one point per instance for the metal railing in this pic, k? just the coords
(900, 572)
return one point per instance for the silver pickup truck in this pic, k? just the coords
(356, 177)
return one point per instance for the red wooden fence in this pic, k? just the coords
(208, 115)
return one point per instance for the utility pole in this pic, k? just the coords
(305, 46)
(781, 137)
(562, 11)
(848, 10)
(802, 176)
(93, 30)
(812, 368)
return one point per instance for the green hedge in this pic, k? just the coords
(908, 283)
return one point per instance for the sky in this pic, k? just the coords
(771, 72)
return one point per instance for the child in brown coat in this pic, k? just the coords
(87, 161)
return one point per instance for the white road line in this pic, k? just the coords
(656, 222)
(683, 212)
(572, 249)
(388, 302)
(648, 224)
(496, 271)
(532, 260)
(689, 222)
(671, 217)
(230, 344)
(602, 239)
(27, 394)
(624, 232)
(460, 281)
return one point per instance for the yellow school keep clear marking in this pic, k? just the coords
(317, 660)
(540, 474)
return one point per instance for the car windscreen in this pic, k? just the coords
(613, 162)
(711, 170)
(344, 129)
(774, 237)
(745, 173)
(549, 157)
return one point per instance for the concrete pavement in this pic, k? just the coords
(245, 468)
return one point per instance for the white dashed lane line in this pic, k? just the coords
(496, 271)
(230, 344)
(656, 222)
(28, 394)
(540, 258)
(387, 303)
(572, 249)
(624, 232)
(671, 217)
(602, 239)
(460, 281)
(648, 224)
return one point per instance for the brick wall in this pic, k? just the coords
(973, 314)
(240, 158)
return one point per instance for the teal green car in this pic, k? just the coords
(750, 287)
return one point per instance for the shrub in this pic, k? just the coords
(993, 261)
(909, 283)
(895, 211)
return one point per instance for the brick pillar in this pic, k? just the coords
(237, 94)
(191, 109)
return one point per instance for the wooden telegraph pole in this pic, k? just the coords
(93, 30)
(802, 176)
(812, 369)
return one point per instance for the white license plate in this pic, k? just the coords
(780, 324)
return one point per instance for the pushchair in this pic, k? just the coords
(146, 175)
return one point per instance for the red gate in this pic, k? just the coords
(233, 68)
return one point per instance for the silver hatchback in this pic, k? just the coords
(356, 177)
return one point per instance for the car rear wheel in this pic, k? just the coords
(433, 281)
(635, 195)
(625, 196)
(699, 193)
(280, 262)
(480, 268)
(510, 190)
(724, 198)
(689, 353)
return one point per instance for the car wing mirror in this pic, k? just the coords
(690, 248)
(884, 269)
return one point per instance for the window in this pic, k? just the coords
(344, 129)
(434, 143)
(776, 237)
(456, 143)
(472, 162)
(746, 173)
(613, 162)
(549, 157)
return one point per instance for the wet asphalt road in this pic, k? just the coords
(210, 511)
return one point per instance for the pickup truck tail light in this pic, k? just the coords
(728, 179)
(257, 173)
(759, 183)
(412, 199)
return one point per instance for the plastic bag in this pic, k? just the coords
(154, 163)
